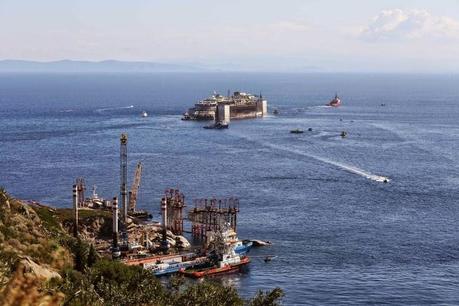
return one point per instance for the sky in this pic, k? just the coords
(252, 35)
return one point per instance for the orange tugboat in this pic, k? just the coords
(222, 257)
(224, 267)
(335, 102)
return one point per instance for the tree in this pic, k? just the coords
(4, 200)
(92, 256)
(119, 284)
(80, 251)
(207, 294)
(270, 298)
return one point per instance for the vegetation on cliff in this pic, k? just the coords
(41, 264)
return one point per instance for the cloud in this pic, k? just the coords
(398, 24)
(290, 26)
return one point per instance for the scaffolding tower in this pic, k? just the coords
(81, 188)
(175, 202)
(209, 214)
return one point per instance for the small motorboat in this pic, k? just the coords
(310, 129)
(144, 114)
(186, 116)
(218, 126)
(296, 131)
(275, 112)
(343, 134)
(269, 258)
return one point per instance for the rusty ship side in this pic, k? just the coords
(242, 106)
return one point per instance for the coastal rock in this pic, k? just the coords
(171, 242)
(39, 271)
(184, 242)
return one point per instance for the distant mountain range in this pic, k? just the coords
(88, 66)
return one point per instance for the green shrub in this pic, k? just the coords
(270, 298)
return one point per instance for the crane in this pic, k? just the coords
(135, 188)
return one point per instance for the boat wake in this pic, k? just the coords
(101, 110)
(321, 106)
(354, 170)
(342, 166)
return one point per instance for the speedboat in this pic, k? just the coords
(218, 126)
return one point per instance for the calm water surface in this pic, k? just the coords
(341, 236)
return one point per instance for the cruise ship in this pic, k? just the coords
(242, 106)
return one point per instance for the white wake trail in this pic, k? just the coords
(345, 167)
(100, 110)
(355, 170)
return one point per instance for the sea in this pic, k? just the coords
(340, 234)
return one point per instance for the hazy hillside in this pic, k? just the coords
(87, 66)
(41, 264)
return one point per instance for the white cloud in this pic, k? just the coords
(398, 24)
(290, 26)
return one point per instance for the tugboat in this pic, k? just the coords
(242, 248)
(227, 265)
(222, 257)
(296, 131)
(239, 247)
(335, 102)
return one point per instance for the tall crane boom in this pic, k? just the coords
(123, 177)
(135, 188)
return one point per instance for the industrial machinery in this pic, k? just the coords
(135, 188)
(123, 176)
(124, 239)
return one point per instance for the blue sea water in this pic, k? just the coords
(341, 236)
